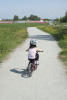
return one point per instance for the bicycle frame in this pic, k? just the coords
(30, 68)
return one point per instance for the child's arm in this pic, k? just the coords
(39, 50)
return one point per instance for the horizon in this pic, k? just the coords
(50, 9)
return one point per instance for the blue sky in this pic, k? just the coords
(42, 8)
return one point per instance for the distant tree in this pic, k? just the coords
(33, 17)
(57, 19)
(24, 18)
(64, 18)
(46, 19)
(15, 18)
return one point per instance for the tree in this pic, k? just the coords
(33, 17)
(24, 18)
(15, 18)
(57, 19)
(46, 19)
(64, 18)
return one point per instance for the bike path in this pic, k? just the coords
(48, 82)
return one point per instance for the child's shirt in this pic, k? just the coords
(32, 53)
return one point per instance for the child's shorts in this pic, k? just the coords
(32, 60)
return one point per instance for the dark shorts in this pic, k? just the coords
(32, 60)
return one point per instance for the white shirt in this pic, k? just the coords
(32, 53)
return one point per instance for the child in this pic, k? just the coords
(32, 51)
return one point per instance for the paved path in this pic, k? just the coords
(48, 82)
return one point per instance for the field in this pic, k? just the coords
(11, 35)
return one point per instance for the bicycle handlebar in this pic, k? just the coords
(39, 51)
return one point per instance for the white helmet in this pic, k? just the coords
(32, 42)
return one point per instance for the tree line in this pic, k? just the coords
(31, 17)
(35, 17)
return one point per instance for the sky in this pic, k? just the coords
(42, 8)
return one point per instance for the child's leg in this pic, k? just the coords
(33, 64)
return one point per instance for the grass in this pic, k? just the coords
(60, 34)
(11, 35)
(35, 24)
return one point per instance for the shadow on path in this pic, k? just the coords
(23, 72)
(43, 37)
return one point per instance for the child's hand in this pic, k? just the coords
(27, 50)
(42, 51)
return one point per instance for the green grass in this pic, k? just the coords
(11, 35)
(60, 34)
(35, 24)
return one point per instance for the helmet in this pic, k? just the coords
(32, 42)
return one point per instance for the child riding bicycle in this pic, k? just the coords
(32, 52)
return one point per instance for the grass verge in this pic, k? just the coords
(11, 35)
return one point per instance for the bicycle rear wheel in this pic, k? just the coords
(29, 70)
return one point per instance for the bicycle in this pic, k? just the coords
(32, 67)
